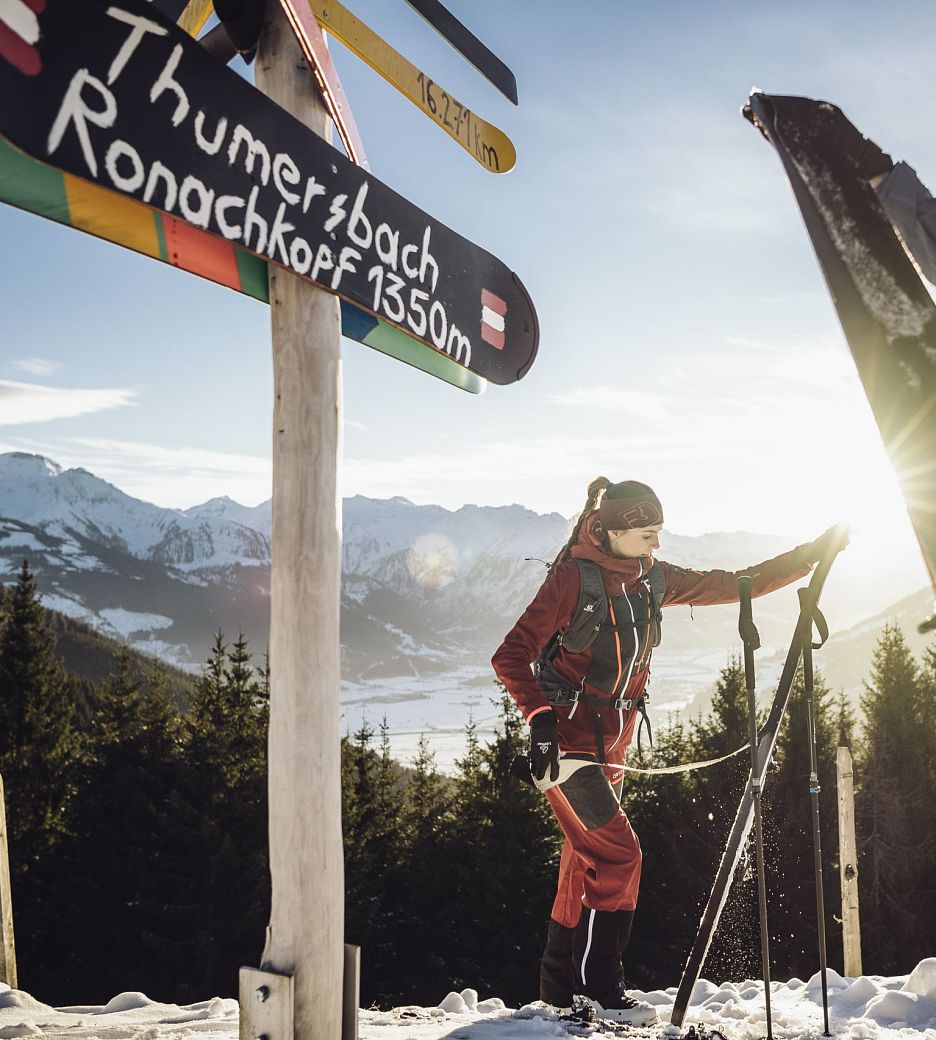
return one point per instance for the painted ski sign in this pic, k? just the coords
(141, 109)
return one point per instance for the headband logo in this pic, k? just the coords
(639, 516)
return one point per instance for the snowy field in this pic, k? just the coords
(866, 1008)
(440, 706)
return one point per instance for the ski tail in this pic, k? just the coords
(767, 740)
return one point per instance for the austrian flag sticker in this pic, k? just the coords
(493, 310)
(19, 34)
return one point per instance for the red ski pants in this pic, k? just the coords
(601, 857)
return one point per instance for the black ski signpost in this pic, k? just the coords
(466, 43)
(886, 312)
(767, 740)
(124, 99)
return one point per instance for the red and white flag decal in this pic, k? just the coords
(19, 34)
(493, 310)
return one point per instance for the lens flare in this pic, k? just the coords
(433, 561)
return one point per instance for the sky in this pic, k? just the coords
(687, 338)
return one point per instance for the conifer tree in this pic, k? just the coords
(221, 814)
(897, 850)
(39, 747)
(122, 829)
(788, 831)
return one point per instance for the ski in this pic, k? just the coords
(767, 740)
(193, 139)
(36, 188)
(486, 144)
(886, 312)
(467, 44)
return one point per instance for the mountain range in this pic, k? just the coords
(426, 591)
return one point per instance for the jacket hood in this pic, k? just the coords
(590, 546)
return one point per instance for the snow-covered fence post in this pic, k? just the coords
(7, 948)
(848, 863)
(305, 936)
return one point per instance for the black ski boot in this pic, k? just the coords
(597, 945)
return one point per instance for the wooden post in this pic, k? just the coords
(7, 947)
(848, 863)
(305, 936)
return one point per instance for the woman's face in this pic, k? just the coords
(635, 541)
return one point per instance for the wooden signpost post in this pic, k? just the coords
(7, 946)
(115, 105)
(848, 863)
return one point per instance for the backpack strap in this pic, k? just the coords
(591, 612)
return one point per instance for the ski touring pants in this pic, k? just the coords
(601, 857)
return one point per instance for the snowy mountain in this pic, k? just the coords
(427, 592)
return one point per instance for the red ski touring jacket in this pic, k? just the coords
(628, 654)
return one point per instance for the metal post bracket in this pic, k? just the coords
(267, 1002)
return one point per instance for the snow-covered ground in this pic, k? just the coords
(866, 1008)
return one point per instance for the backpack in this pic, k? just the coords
(591, 612)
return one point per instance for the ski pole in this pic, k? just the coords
(808, 685)
(742, 821)
(751, 640)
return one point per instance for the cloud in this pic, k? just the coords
(22, 403)
(626, 402)
(35, 366)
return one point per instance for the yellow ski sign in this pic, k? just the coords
(491, 147)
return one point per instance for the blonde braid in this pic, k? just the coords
(595, 490)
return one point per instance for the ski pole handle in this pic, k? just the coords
(746, 627)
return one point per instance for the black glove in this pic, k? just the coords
(816, 550)
(544, 747)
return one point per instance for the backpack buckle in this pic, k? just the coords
(623, 703)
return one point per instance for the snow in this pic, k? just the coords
(127, 622)
(871, 1007)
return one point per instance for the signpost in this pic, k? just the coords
(7, 945)
(141, 109)
(465, 41)
(69, 200)
(117, 122)
(490, 147)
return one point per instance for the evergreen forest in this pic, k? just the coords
(136, 812)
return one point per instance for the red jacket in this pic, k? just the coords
(552, 610)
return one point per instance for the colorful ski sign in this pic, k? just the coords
(141, 109)
(47, 192)
(886, 312)
(189, 15)
(491, 147)
(464, 40)
(323, 69)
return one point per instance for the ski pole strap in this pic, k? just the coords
(687, 766)
(822, 627)
(746, 627)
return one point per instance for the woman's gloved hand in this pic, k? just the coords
(838, 533)
(544, 748)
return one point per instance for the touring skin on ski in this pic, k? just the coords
(809, 614)
(886, 312)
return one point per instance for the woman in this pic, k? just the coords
(581, 700)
